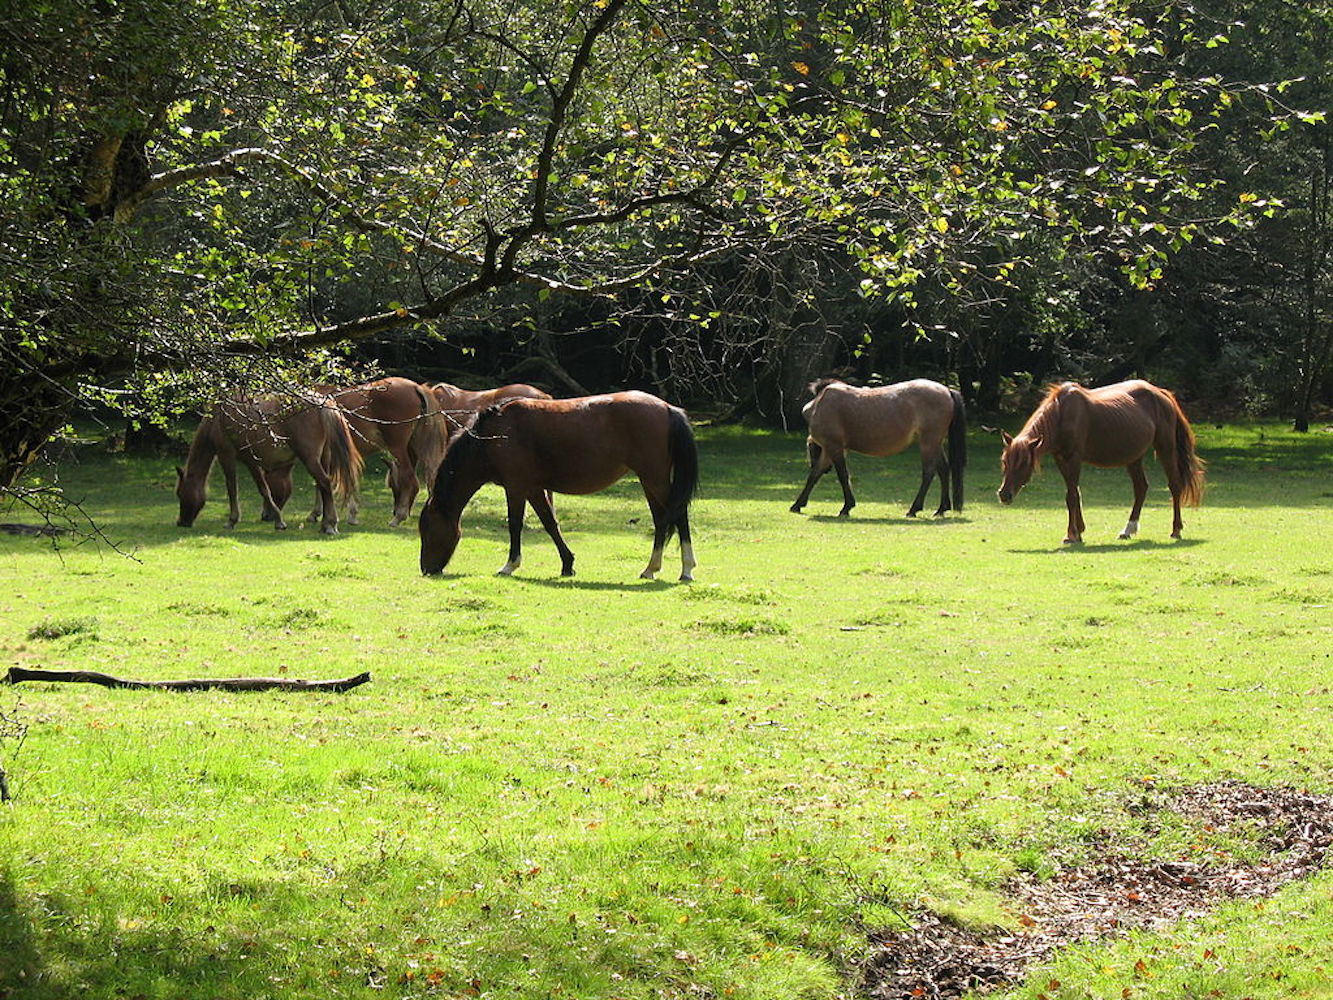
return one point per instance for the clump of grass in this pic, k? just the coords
(58, 628)
(743, 626)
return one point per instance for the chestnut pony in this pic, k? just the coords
(268, 435)
(1116, 425)
(458, 407)
(581, 445)
(385, 415)
(884, 421)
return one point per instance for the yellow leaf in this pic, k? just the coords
(801, 68)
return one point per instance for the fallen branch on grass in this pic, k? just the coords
(18, 674)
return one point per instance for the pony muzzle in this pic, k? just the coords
(1006, 497)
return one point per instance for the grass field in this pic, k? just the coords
(607, 787)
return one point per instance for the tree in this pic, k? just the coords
(185, 182)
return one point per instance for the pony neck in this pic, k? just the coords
(1041, 426)
(203, 450)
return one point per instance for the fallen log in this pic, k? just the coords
(19, 674)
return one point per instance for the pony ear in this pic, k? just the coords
(1005, 437)
(180, 473)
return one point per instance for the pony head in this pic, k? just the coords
(191, 491)
(1016, 465)
(439, 537)
(440, 524)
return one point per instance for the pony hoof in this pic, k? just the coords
(687, 578)
(567, 572)
(1072, 541)
(795, 508)
(647, 574)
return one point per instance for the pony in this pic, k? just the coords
(1115, 425)
(580, 445)
(269, 434)
(457, 408)
(883, 421)
(385, 415)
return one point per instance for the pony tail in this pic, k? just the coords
(958, 448)
(429, 438)
(345, 460)
(684, 466)
(1189, 466)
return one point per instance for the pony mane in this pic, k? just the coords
(1046, 410)
(820, 384)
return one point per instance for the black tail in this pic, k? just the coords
(957, 448)
(684, 468)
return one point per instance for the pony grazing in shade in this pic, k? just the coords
(533, 447)
(884, 421)
(385, 415)
(1116, 425)
(268, 435)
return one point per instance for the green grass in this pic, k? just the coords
(608, 787)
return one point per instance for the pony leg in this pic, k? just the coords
(819, 464)
(931, 465)
(228, 463)
(661, 529)
(845, 479)
(403, 482)
(1177, 487)
(271, 509)
(687, 562)
(1073, 501)
(546, 515)
(279, 488)
(1140, 481)
(942, 470)
(516, 504)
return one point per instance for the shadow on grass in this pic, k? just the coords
(901, 519)
(86, 953)
(575, 583)
(1137, 544)
(21, 971)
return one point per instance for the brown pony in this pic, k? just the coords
(268, 435)
(884, 421)
(458, 408)
(385, 416)
(1112, 426)
(582, 445)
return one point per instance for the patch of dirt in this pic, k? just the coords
(936, 959)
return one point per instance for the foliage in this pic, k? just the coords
(183, 183)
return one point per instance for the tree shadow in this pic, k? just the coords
(22, 973)
(86, 953)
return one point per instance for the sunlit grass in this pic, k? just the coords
(608, 787)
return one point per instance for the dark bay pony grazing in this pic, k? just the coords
(268, 435)
(581, 445)
(1112, 426)
(458, 407)
(884, 421)
(385, 416)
